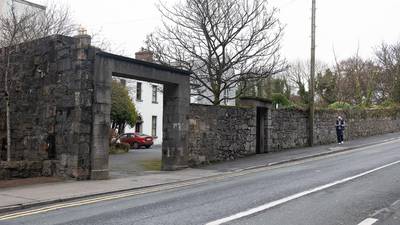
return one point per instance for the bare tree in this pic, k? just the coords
(18, 26)
(227, 44)
(298, 76)
(104, 44)
(357, 81)
(388, 59)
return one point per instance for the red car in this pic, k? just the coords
(136, 140)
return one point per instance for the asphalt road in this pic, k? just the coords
(358, 187)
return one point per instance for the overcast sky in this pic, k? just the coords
(343, 26)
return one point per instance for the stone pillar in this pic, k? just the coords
(268, 131)
(82, 44)
(101, 120)
(82, 128)
(175, 127)
(260, 145)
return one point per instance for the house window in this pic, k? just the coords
(139, 91)
(154, 98)
(226, 96)
(154, 126)
(138, 128)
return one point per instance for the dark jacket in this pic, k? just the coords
(340, 125)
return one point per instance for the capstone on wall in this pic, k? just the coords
(218, 133)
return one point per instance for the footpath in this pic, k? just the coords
(31, 195)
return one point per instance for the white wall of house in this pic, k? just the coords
(21, 6)
(199, 66)
(147, 108)
(227, 93)
(3, 8)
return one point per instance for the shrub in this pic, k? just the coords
(339, 105)
(119, 148)
(280, 99)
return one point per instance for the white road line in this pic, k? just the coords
(295, 196)
(368, 221)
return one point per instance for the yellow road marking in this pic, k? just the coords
(96, 200)
(164, 188)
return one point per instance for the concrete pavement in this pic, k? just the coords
(29, 196)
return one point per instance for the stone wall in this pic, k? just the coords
(360, 123)
(51, 93)
(290, 127)
(220, 133)
(27, 169)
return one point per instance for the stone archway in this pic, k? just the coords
(176, 108)
(61, 108)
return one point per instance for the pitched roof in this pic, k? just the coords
(31, 4)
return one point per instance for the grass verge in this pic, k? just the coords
(151, 165)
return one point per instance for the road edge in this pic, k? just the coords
(13, 208)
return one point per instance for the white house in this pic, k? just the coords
(148, 100)
(20, 6)
(228, 94)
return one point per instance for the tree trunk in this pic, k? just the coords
(121, 128)
(217, 98)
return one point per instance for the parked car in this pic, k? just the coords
(136, 140)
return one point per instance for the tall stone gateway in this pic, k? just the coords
(60, 102)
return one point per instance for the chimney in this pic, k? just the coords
(144, 55)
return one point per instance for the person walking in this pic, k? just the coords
(340, 126)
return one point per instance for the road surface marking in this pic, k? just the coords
(368, 221)
(295, 196)
(162, 188)
(120, 196)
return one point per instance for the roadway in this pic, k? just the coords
(351, 188)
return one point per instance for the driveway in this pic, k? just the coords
(135, 162)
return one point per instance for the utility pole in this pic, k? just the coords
(312, 76)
